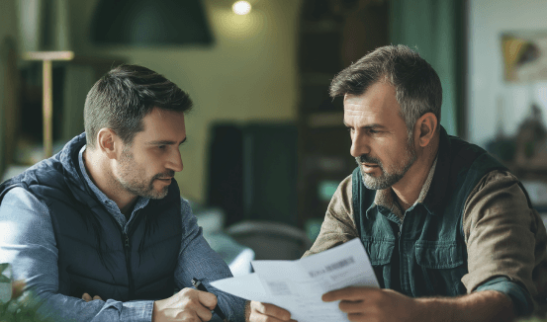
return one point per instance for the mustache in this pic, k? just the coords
(365, 158)
(167, 175)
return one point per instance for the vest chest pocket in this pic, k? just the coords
(440, 267)
(380, 254)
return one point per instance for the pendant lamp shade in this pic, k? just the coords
(150, 23)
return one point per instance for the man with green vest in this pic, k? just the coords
(449, 231)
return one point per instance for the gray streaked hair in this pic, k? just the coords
(417, 85)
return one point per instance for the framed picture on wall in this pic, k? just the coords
(525, 56)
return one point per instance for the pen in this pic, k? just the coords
(200, 286)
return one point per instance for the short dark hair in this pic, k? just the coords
(417, 85)
(126, 94)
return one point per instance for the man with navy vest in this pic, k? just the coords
(99, 231)
(449, 231)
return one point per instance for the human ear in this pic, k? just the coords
(425, 129)
(106, 142)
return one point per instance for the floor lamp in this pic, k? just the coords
(47, 57)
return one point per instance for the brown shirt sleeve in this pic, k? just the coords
(338, 226)
(504, 236)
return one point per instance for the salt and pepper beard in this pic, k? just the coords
(131, 180)
(386, 179)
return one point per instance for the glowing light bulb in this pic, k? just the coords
(241, 7)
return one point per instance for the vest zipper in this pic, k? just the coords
(127, 249)
(402, 276)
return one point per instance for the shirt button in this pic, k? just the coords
(399, 234)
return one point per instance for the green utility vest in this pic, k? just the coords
(424, 254)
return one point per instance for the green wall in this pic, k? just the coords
(434, 29)
(8, 28)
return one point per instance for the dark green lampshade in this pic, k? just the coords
(150, 23)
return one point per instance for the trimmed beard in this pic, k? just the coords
(130, 180)
(386, 179)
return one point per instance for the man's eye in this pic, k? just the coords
(371, 131)
(162, 147)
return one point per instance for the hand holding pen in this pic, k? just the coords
(186, 305)
(200, 286)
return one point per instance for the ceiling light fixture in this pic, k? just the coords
(241, 7)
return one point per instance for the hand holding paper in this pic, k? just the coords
(297, 286)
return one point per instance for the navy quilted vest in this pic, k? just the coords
(95, 255)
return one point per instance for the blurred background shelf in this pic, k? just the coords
(332, 35)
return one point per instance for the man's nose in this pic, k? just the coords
(175, 162)
(359, 145)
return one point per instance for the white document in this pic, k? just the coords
(297, 286)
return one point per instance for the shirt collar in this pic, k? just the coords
(433, 190)
(386, 198)
(110, 205)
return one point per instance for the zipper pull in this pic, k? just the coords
(126, 241)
